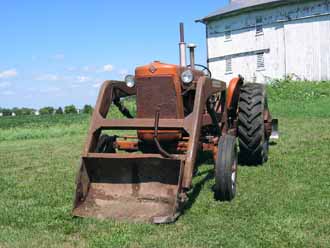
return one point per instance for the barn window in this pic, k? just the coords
(227, 33)
(259, 27)
(260, 61)
(229, 67)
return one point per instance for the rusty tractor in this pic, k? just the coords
(180, 111)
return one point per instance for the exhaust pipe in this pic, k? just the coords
(192, 54)
(182, 47)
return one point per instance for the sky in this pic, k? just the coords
(56, 53)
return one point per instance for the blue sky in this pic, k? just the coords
(55, 53)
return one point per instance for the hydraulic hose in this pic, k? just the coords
(122, 108)
(159, 147)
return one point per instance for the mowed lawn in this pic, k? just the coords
(285, 203)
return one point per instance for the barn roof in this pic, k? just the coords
(239, 6)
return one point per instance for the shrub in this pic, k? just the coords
(87, 109)
(59, 111)
(46, 111)
(70, 109)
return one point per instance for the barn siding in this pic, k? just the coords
(297, 39)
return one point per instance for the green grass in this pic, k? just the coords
(285, 203)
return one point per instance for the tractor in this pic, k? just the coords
(180, 110)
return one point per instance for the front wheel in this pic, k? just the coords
(226, 169)
(105, 144)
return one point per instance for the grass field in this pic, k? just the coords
(285, 203)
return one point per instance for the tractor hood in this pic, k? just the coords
(157, 68)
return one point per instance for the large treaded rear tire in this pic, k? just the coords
(253, 142)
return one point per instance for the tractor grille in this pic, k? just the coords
(153, 92)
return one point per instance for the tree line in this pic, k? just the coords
(70, 109)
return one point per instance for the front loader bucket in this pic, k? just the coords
(135, 188)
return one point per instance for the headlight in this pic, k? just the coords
(130, 81)
(187, 76)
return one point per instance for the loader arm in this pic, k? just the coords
(206, 87)
(110, 91)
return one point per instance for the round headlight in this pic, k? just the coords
(130, 81)
(187, 76)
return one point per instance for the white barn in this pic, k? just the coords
(266, 39)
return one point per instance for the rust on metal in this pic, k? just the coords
(146, 176)
(148, 186)
(129, 188)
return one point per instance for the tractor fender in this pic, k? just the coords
(233, 93)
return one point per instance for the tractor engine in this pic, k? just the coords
(159, 89)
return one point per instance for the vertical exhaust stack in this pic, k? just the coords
(192, 54)
(182, 46)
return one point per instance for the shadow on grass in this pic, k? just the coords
(242, 160)
(272, 143)
(202, 159)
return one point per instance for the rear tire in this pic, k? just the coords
(226, 169)
(105, 144)
(253, 142)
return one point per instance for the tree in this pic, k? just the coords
(46, 111)
(17, 111)
(88, 109)
(27, 111)
(59, 111)
(70, 109)
(6, 112)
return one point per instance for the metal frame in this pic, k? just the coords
(192, 124)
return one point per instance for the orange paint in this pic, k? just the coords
(158, 69)
(233, 88)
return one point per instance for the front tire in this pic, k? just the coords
(105, 144)
(226, 169)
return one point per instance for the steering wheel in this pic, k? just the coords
(206, 71)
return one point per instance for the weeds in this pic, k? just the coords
(284, 203)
